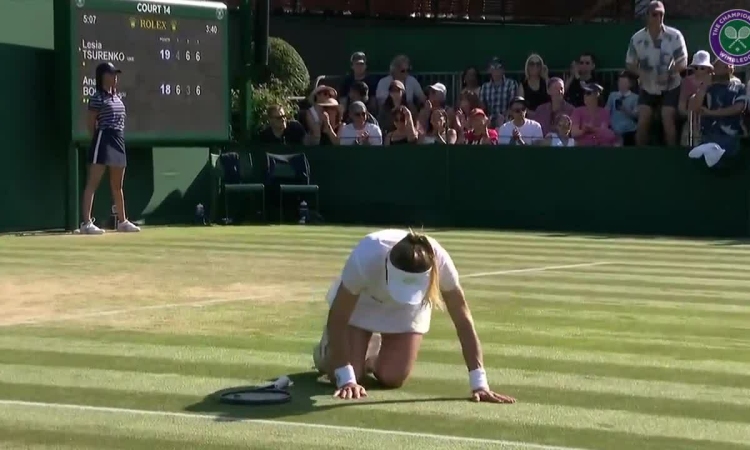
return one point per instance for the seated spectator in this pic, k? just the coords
(478, 131)
(359, 73)
(721, 106)
(467, 102)
(399, 71)
(548, 114)
(700, 72)
(359, 131)
(582, 73)
(534, 85)
(281, 130)
(405, 131)
(561, 136)
(471, 80)
(436, 95)
(317, 97)
(437, 131)
(325, 131)
(396, 99)
(519, 130)
(591, 122)
(359, 92)
(623, 109)
(497, 93)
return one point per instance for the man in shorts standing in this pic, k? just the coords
(657, 53)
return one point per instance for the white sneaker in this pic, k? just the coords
(90, 228)
(128, 227)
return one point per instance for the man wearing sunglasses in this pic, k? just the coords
(657, 53)
(280, 129)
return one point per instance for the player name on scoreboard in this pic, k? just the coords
(174, 61)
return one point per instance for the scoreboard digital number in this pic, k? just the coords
(174, 60)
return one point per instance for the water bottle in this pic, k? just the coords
(304, 213)
(200, 214)
(113, 217)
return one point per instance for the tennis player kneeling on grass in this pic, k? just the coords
(381, 307)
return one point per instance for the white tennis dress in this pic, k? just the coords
(365, 273)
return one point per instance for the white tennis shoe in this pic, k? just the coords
(127, 227)
(90, 228)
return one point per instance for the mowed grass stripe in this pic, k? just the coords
(302, 354)
(547, 385)
(426, 409)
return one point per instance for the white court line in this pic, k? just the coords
(535, 269)
(258, 297)
(337, 428)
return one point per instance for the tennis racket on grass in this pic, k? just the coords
(274, 393)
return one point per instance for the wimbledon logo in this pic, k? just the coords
(730, 37)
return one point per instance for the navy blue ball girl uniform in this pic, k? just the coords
(108, 144)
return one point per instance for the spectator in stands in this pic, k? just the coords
(317, 97)
(359, 92)
(478, 130)
(359, 73)
(700, 72)
(405, 130)
(325, 130)
(582, 73)
(471, 80)
(721, 105)
(519, 130)
(281, 130)
(467, 102)
(437, 131)
(623, 109)
(534, 85)
(359, 131)
(591, 121)
(399, 71)
(658, 54)
(436, 95)
(497, 93)
(396, 99)
(560, 136)
(548, 114)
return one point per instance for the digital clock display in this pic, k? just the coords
(174, 61)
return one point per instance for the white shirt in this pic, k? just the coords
(655, 57)
(555, 141)
(530, 131)
(413, 88)
(348, 134)
(364, 274)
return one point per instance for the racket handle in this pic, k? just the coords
(282, 382)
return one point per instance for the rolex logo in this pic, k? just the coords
(132, 22)
(174, 25)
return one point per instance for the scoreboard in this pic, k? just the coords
(174, 60)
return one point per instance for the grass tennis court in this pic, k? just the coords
(119, 341)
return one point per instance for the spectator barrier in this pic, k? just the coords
(652, 190)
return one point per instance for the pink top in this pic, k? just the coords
(547, 118)
(583, 116)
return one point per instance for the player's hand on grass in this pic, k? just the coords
(350, 391)
(488, 396)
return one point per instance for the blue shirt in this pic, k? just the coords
(720, 96)
(623, 120)
(111, 111)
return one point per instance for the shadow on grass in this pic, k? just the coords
(306, 386)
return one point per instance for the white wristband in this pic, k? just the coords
(478, 379)
(345, 375)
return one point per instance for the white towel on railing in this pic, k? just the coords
(711, 152)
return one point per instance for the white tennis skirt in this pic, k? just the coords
(380, 317)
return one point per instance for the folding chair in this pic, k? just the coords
(292, 173)
(238, 176)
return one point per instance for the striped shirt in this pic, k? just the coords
(111, 111)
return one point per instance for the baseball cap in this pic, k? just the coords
(107, 67)
(593, 87)
(358, 107)
(519, 99)
(477, 112)
(439, 87)
(496, 63)
(656, 6)
(358, 57)
(405, 287)
(397, 83)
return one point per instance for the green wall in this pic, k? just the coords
(452, 47)
(653, 190)
(27, 22)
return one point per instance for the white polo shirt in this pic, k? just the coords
(364, 274)
(530, 131)
(654, 57)
(348, 134)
